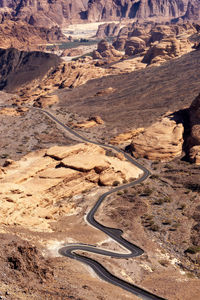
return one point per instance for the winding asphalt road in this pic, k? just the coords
(115, 234)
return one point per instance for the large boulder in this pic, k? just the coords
(134, 45)
(166, 49)
(106, 50)
(161, 141)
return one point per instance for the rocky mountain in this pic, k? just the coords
(59, 12)
(193, 10)
(20, 67)
(45, 12)
(104, 10)
(24, 36)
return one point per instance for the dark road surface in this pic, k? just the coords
(115, 234)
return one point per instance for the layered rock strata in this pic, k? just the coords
(34, 190)
(161, 141)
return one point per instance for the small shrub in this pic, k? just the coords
(119, 193)
(147, 191)
(154, 227)
(4, 156)
(154, 176)
(159, 202)
(116, 183)
(167, 199)
(166, 222)
(193, 249)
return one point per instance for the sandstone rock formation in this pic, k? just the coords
(194, 155)
(46, 101)
(134, 45)
(107, 51)
(107, 30)
(63, 12)
(72, 52)
(11, 111)
(194, 139)
(161, 141)
(65, 75)
(110, 10)
(27, 37)
(34, 190)
(44, 13)
(91, 122)
(166, 49)
(126, 137)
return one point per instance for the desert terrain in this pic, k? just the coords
(87, 86)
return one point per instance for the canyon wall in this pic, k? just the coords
(49, 13)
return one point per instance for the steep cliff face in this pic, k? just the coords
(193, 10)
(44, 12)
(60, 12)
(112, 9)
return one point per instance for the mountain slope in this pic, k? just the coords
(20, 67)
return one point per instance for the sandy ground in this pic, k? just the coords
(84, 30)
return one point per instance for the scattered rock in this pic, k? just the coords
(46, 101)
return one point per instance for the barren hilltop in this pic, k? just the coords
(100, 150)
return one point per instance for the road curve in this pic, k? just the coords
(115, 234)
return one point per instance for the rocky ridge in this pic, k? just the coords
(24, 36)
(194, 138)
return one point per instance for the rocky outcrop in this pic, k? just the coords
(134, 45)
(62, 12)
(166, 49)
(107, 30)
(114, 9)
(193, 10)
(126, 137)
(91, 122)
(27, 37)
(46, 101)
(107, 51)
(72, 52)
(161, 141)
(44, 13)
(194, 112)
(194, 155)
(34, 190)
(65, 75)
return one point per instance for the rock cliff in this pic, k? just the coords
(194, 138)
(44, 12)
(161, 141)
(142, 9)
(47, 13)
